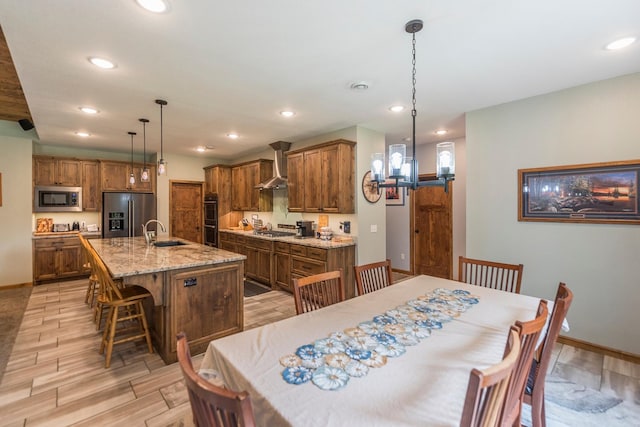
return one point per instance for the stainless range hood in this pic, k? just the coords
(279, 168)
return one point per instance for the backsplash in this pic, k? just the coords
(68, 218)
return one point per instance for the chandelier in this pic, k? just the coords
(403, 170)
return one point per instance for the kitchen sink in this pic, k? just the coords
(169, 243)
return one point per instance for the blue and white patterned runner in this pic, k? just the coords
(330, 362)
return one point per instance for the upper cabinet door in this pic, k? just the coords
(52, 171)
(313, 181)
(295, 182)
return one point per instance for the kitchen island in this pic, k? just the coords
(195, 288)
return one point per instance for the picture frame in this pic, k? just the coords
(588, 193)
(394, 196)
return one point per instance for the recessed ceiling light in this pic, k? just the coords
(396, 108)
(232, 135)
(201, 149)
(441, 132)
(88, 110)
(287, 113)
(83, 134)
(102, 63)
(360, 86)
(156, 6)
(620, 43)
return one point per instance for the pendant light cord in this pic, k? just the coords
(414, 113)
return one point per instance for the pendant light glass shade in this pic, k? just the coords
(132, 178)
(162, 164)
(144, 176)
(403, 170)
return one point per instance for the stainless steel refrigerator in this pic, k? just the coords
(124, 214)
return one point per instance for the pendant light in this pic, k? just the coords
(132, 178)
(162, 165)
(403, 170)
(144, 177)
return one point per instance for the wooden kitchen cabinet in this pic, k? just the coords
(321, 178)
(282, 266)
(91, 192)
(309, 260)
(56, 171)
(115, 177)
(217, 179)
(244, 178)
(259, 259)
(295, 181)
(57, 258)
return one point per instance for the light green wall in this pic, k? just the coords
(15, 212)
(587, 124)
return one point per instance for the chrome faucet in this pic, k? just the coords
(149, 236)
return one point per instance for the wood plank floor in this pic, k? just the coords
(56, 377)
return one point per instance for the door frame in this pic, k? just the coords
(412, 207)
(182, 181)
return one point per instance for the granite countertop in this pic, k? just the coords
(56, 234)
(126, 256)
(311, 241)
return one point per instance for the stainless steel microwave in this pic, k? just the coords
(57, 199)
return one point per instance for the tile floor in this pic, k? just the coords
(55, 376)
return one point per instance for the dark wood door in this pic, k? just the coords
(432, 231)
(186, 210)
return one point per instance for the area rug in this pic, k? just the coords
(13, 303)
(252, 288)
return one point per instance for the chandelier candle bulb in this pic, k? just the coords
(397, 155)
(377, 167)
(446, 158)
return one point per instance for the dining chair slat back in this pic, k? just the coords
(372, 277)
(534, 389)
(529, 334)
(212, 405)
(93, 285)
(494, 275)
(487, 388)
(318, 290)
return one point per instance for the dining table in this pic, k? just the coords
(399, 356)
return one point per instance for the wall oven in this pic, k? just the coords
(211, 219)
(57, 199)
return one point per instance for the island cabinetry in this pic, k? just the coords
(309, 260)
(115, 177)
(91, 192)
(321, 178)
(259, 254)
(56, 171)
(244, 179)
(57, 258)
(282, 266)
(205, 303)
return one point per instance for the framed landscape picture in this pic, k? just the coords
(591, 193)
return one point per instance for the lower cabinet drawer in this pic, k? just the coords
(307, 267)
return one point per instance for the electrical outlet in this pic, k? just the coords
(401, 256)
(374, 228)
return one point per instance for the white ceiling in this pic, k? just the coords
(231, 66)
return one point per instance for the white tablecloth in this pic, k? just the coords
(424, 387)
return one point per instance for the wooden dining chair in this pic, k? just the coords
(495, 275)
(529, 334)
(534, 390)
(372, 277)
(487, 388)
(212, 405)
(93, 285)
(125, 306)
(319, 290)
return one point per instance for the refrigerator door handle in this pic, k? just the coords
(132, 208)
